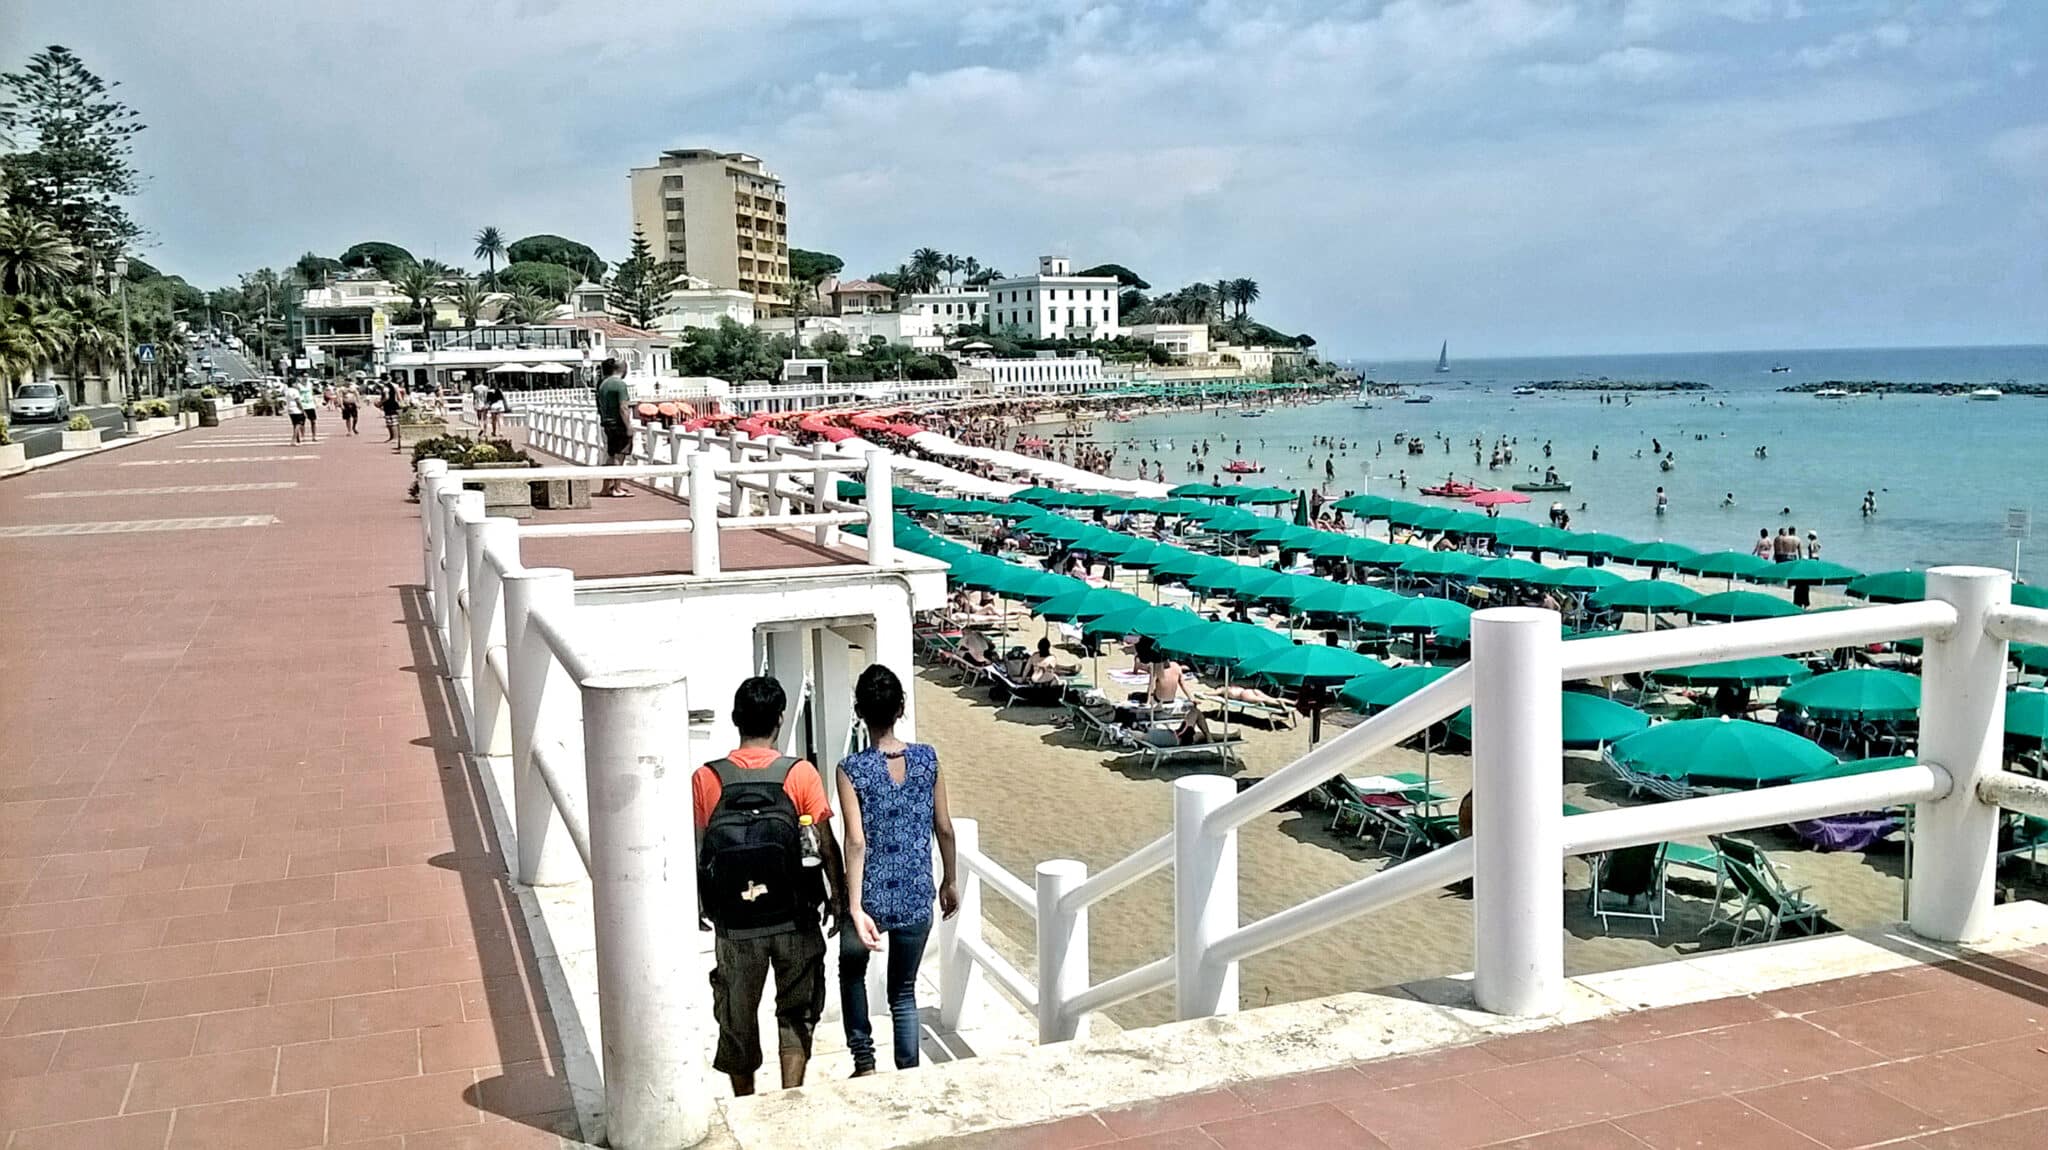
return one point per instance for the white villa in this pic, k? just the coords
(1039, 375)
(1054, 304)
(949, 307)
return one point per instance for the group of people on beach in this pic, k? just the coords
(774, 883)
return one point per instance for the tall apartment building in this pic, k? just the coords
(721, 216)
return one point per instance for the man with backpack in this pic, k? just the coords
(763, 874)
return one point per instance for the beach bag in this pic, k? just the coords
(751, 879)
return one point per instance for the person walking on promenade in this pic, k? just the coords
(895, 803)
(494, 408)
(295, 406)
(615, 418)
(764, 861)
(312, 411)
(350, 403)
(389, 404)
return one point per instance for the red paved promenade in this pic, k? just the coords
(247, 897)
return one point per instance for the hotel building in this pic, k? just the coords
(1054, 304)
(721, 217)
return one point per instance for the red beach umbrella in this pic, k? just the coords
(1496, 498)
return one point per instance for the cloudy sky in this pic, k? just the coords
(1512, 175)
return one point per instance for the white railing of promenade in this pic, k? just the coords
(600, 753)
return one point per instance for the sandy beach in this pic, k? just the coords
(1040, 793)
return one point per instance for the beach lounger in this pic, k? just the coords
(1640, 784)
(1631, 873)
(1156, 756)
(1273, 715)
(1769, 906)
(1097, 726)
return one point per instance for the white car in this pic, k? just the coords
(39, 401)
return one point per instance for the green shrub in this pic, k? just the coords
(209, 393)
(153, 408)
(78, 423)
(4, 440)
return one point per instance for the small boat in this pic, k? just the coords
(1779, 369)
(1251, 413)
(1558, 486)
(1243, 467)
(1419, 399)
(1831, 393)
(1455, 490)
(1525, 391)
(1119, 417)
(1987, 394)
(1443, 359)
(1361, 407)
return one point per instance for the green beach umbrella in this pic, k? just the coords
(2026, 714)
(1645, 595)
(980, 507)
(1031, 586)
(1863, 693)
(1310, 664)
(1414, 613)
(1525, 536)
(1359, 549)
(852, 489)
(1091, 500)
(1087, 603)
(1149, 621)
(1395, 554)
(1760, 671)
(1288, 587)
(1225, 579)
(1513, 571)
(1843, 770)
(1038, 495)
(2031, 656)
(1657, 554)
(1330, 545)
(1186, 565)
(1147, 555)
(1261, 495)
(1467, 522)
(1257, 582)
(1721, 752)
(1410, 514)
(1366, 506)
(1724, 565)
(1889, 587)
(1275, 530)
(969, 570)
(1349, 599)
(1813, 572)
(1595, 543)
(1737, 605)
(1372, 691)
(1301, 516)
(1179, 506)
(1236, 520)
(1199, 491)
(1443, 563)
(1583, 578)
(1590, 721)
(2028, 595)
(1226, 643)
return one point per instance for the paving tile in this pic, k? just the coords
(44, 976)
(2020, 1132)
(1337, 1085)
(1787, 1047)
(401, 1106)
(407, 1009)
(285, 1122)
(26, 1055)
(335, 978)
(1713, 1124)
(66, 1010)
(273, 951)
(154, 964)
(1957, 1089)
(1681, 1068)
(126, 1042)
(206, 994)
(126, 1132)
(249, 923)
(262, 1026)
(281, 892)
(393, 937)
(523, 1089)
(371, 1058)
(1429, 1067)
(64, 1096)
(1174, 1113)
(1076, 1133)
(1931, 1021)
(1318, 1124)
(1560, 1092)
(1592, 1136)
(203, 1078)
(1425, 1115)
(1837, 1112)
(487, 1043)
(1167, 1140)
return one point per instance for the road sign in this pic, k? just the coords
(145, 353)
(2018, 522)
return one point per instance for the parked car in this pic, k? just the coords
(39, 401)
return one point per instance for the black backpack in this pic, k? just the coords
(751, 880)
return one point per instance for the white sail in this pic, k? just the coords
(1443, 357)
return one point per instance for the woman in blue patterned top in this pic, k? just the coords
(893, 803)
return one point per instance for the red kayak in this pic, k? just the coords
(1456, 490)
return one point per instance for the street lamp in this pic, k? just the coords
(127, 350)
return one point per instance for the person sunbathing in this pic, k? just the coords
(1192, 729)
(976, 649)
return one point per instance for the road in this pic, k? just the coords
(45, 438)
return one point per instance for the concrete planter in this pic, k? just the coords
(13, 458)
(227, 409)
(510, 496)
(156, 426)
(81, 440)
(411, 433)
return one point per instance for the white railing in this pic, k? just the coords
(1511, 685)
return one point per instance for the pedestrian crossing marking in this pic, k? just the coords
(132, 526)
(187, 489)
(214, 459)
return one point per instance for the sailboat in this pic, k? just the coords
(1443, 359)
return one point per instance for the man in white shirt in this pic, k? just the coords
(477, 396)
(295, 406)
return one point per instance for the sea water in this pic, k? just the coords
(1946, 470)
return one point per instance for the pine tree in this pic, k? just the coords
(640, 284)
(72, 162)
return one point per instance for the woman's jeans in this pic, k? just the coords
(906, 950)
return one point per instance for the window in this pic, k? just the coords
(1027, 295)
(1088, 317)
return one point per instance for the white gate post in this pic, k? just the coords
(1517, 811)
(459, 509)
(703, 513)
(956, 968)
(431, 471)
(1062, 949)
(1962, 728)
(547, 855)
(489, 731)
(643, 875)
(1204, 897)
(737, 492)
(880, 502)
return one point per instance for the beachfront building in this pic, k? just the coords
(1177, 338)
(539, 355)
(860, 297)
(347, 322)
(1039, 375)
(807, 385)
(950, 307)
(721, 217)
(1054, 304)
(699, 303)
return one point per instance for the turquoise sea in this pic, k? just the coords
(1946, 470)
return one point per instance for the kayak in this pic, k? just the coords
(1455, 490)
(1543, 487)
(1242, 467)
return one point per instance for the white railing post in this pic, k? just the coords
(703, 513)
(675, 458)
(881, 508)
(824, 486)
(737, 494)
(490, 732)
(1062, 949)
(431, 471)
(547, 856)
(1962, 728)
(1517, 811)
(956, 966)
(1204, 897)
(454, 559)
(643, 874)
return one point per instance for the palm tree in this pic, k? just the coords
(523, 307)
(1244, 293)
(952, 264)
(91, 326)
(1222, 290)
(34, 255)
(970, 267)
(925, 265)
(311, 270)
(31, 335)
(420, 283)
(469, 298)
(490, 247)
(1163, 310)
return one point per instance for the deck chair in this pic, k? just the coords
(1417, 832)
(1631, 873)
(1095, 725)
(1768, 906)
(2025, 837)
(1640, 784)
(1157, 755)
(1346, 802)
